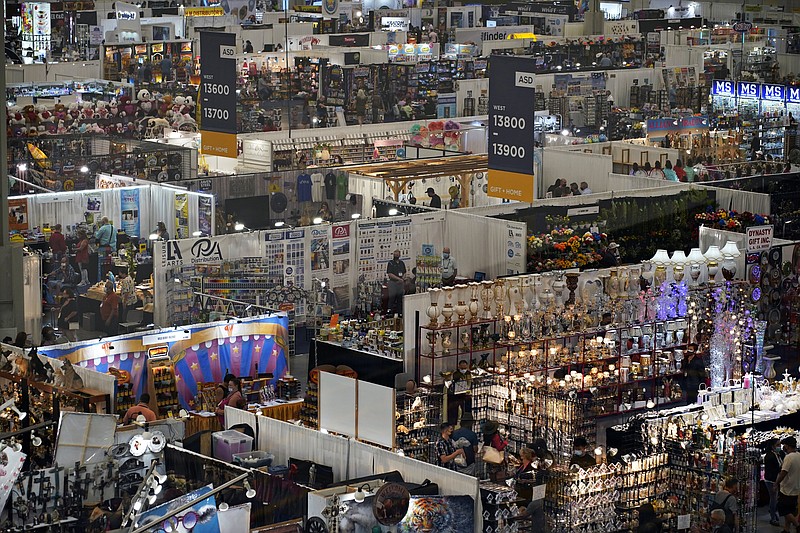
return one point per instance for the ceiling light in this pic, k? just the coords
(280, 224)
(393, 212)
(239, 226)
(317, 220)
(84, 169)
(355, 216)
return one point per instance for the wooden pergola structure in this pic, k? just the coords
(397, 174)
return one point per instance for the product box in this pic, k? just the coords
(254, 459)
(227, 443)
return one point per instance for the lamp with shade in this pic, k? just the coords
(661, 261)
(729, 253)
(713, 258)
(695, 261)
(678, 265)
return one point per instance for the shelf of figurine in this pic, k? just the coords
(288, 388)
(164, 387)
(381, 337)
(417, 420)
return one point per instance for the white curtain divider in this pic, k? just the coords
(621, 182)
(286, 440)
(741, 201)
(235, 416)
(477, 243)
(560, 163)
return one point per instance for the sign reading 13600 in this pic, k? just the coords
(216, 88)
(508, 150)
(505, 121)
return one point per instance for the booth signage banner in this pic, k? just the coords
(511, 125)
(723, 88)
(759, 238)
(770, 91)
(395, 23)
(515, 248)
(218, 92)
(342, 254)
(18, 214)
(203, 12)
(621, 27)
(747, 89)
(181, 216)
(128, 17)
(355, 39)
(793, 95)
(498, 33)
(129, 204)
(205, 219)
(182, 252)
(209, 351)
(662, 126)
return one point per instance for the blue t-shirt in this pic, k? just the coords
(472, 437)
(304, 188)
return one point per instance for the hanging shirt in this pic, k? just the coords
(304, 188)
(317, 186)
(341, 186)
(330, 186)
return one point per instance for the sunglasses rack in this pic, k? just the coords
(500, 508)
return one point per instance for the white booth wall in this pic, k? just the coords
(54, 72)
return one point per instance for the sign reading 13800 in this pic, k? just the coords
(505, 121)
(508, 150)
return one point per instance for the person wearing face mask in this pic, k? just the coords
(221, 395)
(579, 455)
(396, 271)
(449, 268)
(235, 397)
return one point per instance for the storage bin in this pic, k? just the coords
(278, 470)
(227, 443)
(254, 459)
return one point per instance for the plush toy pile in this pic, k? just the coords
(143, 117)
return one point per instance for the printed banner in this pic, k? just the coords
(181, 216)
(18, 214)
(113, 181)
(10, 472)
(376, 243)
(203, 358)
(177, 253)
(201, 517)
(205, 218)
(342, 254)
(515, 248)
(129, 200)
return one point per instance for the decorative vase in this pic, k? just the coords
(713, 268)
(677, 273)
(447, 342)
(572, 284)
(694, 272)
(648, 274)
(728, 268)
(432, 337)
(464, 341)
(487, 293)
(660, 275)
(473, 301)
(433, 311)
(499, 297)
(558, 287)
(613, 284)
(447, 311)
(461, 305)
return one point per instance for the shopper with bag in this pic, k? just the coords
(494, 446)
(446, 451)
(467, 440)
(525, 475)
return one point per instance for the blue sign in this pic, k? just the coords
(770, 91)
(793, 95)
(723, 88)
(748, 89)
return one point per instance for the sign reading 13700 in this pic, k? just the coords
(511, 112)
(218, 74)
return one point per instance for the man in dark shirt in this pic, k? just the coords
(446, 451)
(465, 431)
(396, 271)
(610, 256)
(580, 456)
(436, 201)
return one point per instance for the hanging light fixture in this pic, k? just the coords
(360, 494)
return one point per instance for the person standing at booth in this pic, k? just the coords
(449, 268)
(396, 271)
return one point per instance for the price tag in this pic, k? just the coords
(684, 521)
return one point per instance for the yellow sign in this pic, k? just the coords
(220, 144)
(203, 11)
(511, 186)
(521, 36)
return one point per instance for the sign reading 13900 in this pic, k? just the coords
(508, 150)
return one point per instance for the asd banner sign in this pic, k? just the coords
(511, 122)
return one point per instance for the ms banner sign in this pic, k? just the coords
(511, 112)
(218, 93)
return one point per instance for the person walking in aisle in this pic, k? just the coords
(694, 373)
(465, 432)
(436, 200)
(109, 310)
(726, 501)
(788, 484)
(773, 461)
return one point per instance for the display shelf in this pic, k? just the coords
(417, 423)
(163, 382)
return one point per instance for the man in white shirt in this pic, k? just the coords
(585, 188)
(449, 268)
(788, 483)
